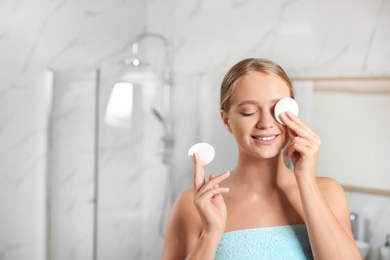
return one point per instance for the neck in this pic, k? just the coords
(255, 173)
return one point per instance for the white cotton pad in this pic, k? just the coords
(285, 104)
(205, 151)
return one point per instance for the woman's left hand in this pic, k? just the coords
(304, 144)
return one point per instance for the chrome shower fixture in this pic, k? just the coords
(135, 60)
(140, 73)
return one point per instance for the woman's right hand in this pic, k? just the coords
(208, 199)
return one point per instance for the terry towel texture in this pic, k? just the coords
(281, 242)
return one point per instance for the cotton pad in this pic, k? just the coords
(283, 105)
(205, 151)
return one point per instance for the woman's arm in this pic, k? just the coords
(197, 220)
(183, 228)
(324, 204)
(326, 216)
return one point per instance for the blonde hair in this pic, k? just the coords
(246, 67)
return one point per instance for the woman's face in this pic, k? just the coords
(251, 116)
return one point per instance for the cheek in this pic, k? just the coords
(241, 126)
(284, 136)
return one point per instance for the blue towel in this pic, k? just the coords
(280, 242)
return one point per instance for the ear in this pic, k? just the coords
(225, 119)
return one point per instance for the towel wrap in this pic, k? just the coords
(280, 242)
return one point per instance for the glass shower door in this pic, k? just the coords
(72, 165)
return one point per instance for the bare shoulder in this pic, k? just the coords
(330, 187)
(184, 205)
(183, 227)
(336, 198)
(184, 211)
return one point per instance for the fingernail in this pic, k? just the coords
(194, 156)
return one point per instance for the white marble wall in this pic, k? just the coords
(309, 39)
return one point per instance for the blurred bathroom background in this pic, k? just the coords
(59, 62)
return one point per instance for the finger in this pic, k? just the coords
(214, 182)
(291, 134)
(303, 146)
(296, 148)
(289, 150)
(299, 122)
(288, 123)
(210, 193)
(212, 176)
(294, 128)
(292, 117)
(219, 195)
(199, 179)
(297, 126)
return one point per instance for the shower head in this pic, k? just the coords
(138, 72)
(134, 59)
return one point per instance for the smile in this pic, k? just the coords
(266, 138)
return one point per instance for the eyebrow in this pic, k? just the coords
(253, 102)
(246, 102)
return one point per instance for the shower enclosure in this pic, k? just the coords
(71, 167)
(108, 189)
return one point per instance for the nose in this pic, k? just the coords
(265, 120)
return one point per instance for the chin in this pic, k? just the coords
(265, 155)
(270, 155)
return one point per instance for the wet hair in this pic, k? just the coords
(245, 67)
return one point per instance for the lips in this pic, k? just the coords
(265, 138)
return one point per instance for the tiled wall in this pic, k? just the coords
(309, 39)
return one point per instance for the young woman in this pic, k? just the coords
(262, 209)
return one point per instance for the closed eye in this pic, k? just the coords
(248, 114)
